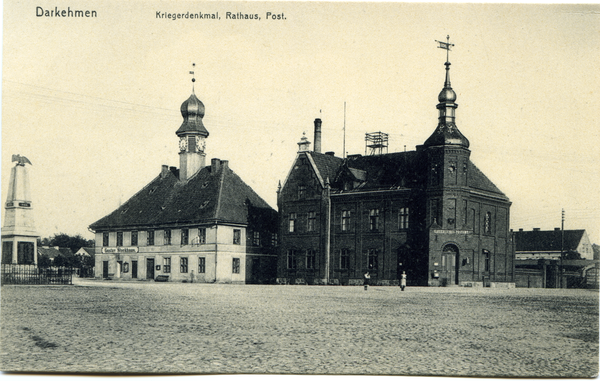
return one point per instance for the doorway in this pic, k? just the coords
(105, 269)
(452, 260)
(134, 269)
(149, 268)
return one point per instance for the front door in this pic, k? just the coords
(134, 269)
(451, 258)
(149, 268)
(105, 269)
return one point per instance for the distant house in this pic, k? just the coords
(50, 252)
(538, 261)
(85, 252)
(547, 244)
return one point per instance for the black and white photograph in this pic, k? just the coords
(201, 188)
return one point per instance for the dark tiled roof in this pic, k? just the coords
(480, 181)
(49, 252)
(546, 240)
(327, 165)
(210, 195)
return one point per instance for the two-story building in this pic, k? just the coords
(195, 223)
(429, 212)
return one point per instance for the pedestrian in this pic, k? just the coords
(403, 280)
(192, 277)
(367, 280)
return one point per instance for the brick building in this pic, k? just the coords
(196, 223)
(429, 212)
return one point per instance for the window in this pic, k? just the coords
(373, 219)
(292, 223)
(201, 265)
(105, 239)
(185, 236)
(312, 218)
(235, 266)
(167, 264)
(291, 259)
(301, 192)
(273, 239)
(150, 238)
(486, 258)
(256, 238)
(345, 220)
(403, 218)
(7, 252)
(435, 210)
(134, 238)
(119, 238)
(183, 265)
(201, 235)
(487, 223)
(237, 237)
(310, 259)
(344, 259)
(372, 265)
(167, 236)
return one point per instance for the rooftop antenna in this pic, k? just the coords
(344, 144)
(193, 76)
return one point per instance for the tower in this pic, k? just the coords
(192, 137)
(448, 159)
(19, 236)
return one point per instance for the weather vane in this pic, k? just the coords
(445, 45)
(193, 76)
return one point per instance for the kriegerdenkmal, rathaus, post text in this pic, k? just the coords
(41, 12)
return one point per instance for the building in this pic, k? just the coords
(538, 261)
(198, 223)
(19, 235)
(548, 244)
(429, 212)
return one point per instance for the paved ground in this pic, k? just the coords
(99, 326)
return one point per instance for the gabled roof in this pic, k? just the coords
(50, 252)
(86, 251)
(480, 181)
(211, 195)
(547, 240)
(327, 165)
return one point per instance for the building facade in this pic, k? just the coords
(198, 223)
(429, 212)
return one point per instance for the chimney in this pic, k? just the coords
(536, 229)
(215, 165)
(330, 153)
(556, 229)
(317, 135)
(164, 171)
(520, 229)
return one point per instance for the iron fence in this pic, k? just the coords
(31, 274)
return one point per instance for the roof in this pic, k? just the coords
(86, 251)
(214, 194)
(50, 252)
(547, 240)
(389, 171)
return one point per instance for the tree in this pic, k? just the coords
(72, 242)
(44, 261)
(571, 254)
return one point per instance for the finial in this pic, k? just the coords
(193, 76)
(21, 160)
(445, 45)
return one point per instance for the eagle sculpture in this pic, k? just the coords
(22, 160)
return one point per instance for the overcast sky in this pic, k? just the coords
(94, 102)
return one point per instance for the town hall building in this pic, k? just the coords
(430, 213)
(195, 223)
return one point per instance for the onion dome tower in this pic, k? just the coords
(19, 236)
(192, 137)
(446, 132)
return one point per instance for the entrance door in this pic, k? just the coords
(452, 256)
(149, 268)
(105, 269)
(134, 269)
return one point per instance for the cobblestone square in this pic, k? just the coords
(145, 327)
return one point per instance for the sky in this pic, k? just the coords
(94, 103)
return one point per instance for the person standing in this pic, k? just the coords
(367, 279)
(403, 280)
